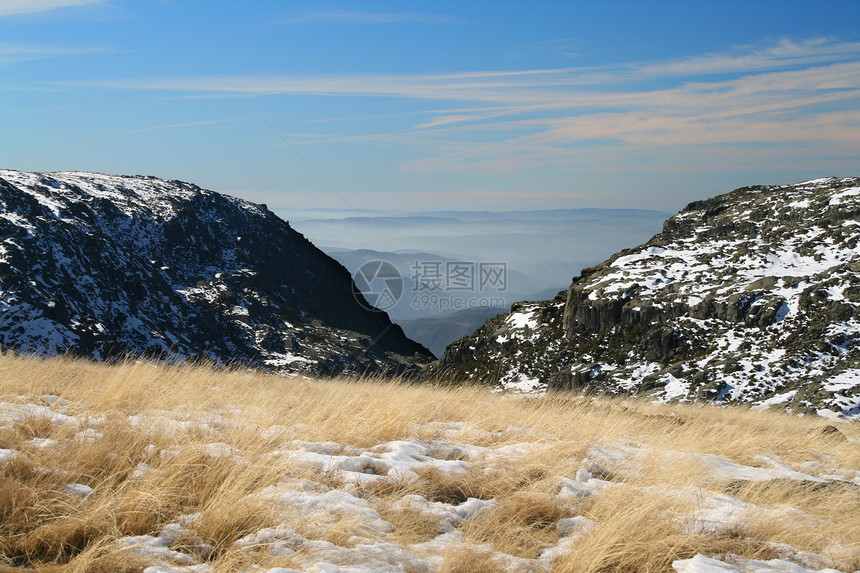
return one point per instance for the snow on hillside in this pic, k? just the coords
(318, 501)
(105, 265)
(747, 297)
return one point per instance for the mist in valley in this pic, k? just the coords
(534, 255)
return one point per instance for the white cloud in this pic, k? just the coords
(11, 7)
(818, 60)
(784, 53)
(785, 96)
(11, 53)
(191, 124)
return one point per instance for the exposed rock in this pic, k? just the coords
(750, 296)
(105, 266)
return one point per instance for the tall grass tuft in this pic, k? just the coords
(96, 455)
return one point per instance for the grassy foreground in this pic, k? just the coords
(150, 440)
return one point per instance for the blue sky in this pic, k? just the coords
(435, 105)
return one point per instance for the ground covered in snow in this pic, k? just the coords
(208, 471)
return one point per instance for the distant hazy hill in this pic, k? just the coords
(750, 296)
(545, 247)
(106, 265)
(518, 285)
(542, 250)
(437, 318)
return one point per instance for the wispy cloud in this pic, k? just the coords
(11, 7)
(784, 53)
(357, 17)
(804, 95)
(539, 86)
(191, 124)
(11, 53)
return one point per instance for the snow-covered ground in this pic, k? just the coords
(369, 546)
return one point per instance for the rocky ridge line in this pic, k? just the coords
(751, 296)
(104, 266)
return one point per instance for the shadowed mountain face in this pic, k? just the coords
(105, 265)
(750, 296)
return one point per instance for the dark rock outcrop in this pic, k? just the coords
(106, 266)
(749, 296)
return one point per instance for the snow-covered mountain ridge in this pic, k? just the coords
(106, 265)
(751, 296)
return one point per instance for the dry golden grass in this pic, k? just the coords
(167, 420)
(469, 559)
(521, 524)
(641, 534)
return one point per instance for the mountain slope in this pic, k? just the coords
(106, 265)
(750, 296)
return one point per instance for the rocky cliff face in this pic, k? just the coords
(751, 296)
(104, 265)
